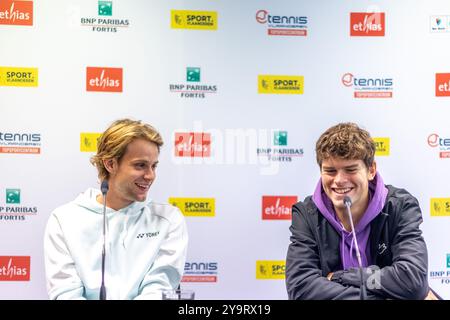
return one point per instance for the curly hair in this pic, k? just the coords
(113, 142)
(346, 141)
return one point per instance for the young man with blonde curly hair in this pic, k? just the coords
(146, 241)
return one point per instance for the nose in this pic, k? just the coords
(341, 177)
(150, 174)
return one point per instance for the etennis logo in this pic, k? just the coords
(280, 25)
(200, 271)
(25, 143)
(443, 144)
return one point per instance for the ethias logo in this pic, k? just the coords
(104, 79)
(442, 84)
(14, 268)
(192, 144)
(363, 24)
(19, 13)
(277, 207)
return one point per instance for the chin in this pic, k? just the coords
(140, 198)
(339, 203)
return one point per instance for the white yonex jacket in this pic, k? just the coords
(146, 245)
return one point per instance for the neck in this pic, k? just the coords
(357, 213)
(112, 202)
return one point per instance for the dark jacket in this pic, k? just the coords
(398, 251)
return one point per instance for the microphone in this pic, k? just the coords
(178, 291)
(348, 204)
(104, 188)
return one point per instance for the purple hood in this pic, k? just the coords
(377, 198)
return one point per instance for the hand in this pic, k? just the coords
(329, 276)
(431, 296)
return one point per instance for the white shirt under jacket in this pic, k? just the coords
(146, 245)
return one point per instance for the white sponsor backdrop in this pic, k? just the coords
(153, 56)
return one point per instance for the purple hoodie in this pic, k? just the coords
(377, 198)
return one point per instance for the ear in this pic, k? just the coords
(110, 165)
(372, 171)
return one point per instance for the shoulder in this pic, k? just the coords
(399, 196)
(165, 211)
(305, 213)
(400, 204)
(65, 210)
(306, 206)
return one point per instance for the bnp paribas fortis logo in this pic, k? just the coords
(280, 138)
(440, 207)
(193, 87)
(279, 151)
(104, 21)
(270, 269)
(197, 20)
(12, 196)
(272, 84)
(382, 146)
(441, 276)
(195, 207)
(192, 74)
(105, 8)
(88, 141)
(14, 208)
(18, 77)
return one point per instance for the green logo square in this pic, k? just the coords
(192, 74)
(105, 8)
(280, 138)
(448, 260)
(12, 195)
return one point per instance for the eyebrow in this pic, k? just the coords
(353, 166)
(145, 161)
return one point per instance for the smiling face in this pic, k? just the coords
(131, 177)
(351, 178)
